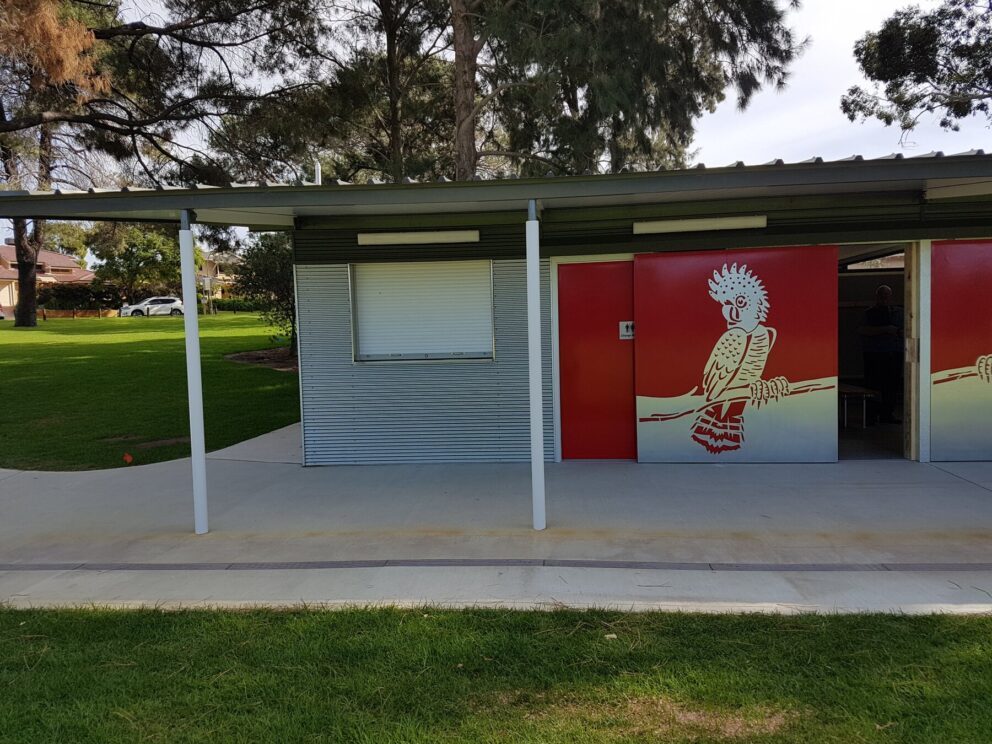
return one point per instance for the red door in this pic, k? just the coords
(596, 364)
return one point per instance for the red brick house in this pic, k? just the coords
(53, 268)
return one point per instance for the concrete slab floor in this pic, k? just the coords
(263, 508)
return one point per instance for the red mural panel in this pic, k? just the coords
(736, 357)
(596, 365)
(961, 351)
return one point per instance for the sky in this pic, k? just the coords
(805, 120)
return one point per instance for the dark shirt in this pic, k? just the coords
(879, 316)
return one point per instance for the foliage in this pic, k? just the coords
(363, 145)
(137, 258)
(926, 62)
(78, 297)
(424, 88)
(426, 674)
(94, 389)
(46, 37)
(70, 238)
(265, 278)
(238, 305)
(602, 84)
(84, 84)
(128, 86)
(381, 109)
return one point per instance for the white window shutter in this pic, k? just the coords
(423, 310)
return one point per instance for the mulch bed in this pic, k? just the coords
(281, 359)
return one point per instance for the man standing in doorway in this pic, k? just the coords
(882, 341)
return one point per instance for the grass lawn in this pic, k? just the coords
(489, 675)
(79, 394)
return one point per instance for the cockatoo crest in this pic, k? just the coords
(741, 288)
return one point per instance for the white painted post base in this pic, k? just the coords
(535, 368)
(194, 384)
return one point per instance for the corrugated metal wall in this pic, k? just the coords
(444, 411)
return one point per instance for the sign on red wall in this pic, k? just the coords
(961, 351)
(736, 355)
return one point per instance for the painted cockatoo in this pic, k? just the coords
(737, 360)
(984, 368)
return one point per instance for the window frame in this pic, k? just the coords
(357, 357)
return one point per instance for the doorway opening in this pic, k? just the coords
(872, 326)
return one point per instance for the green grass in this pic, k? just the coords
(79, 394)
(478, 676)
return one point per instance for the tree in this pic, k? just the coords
(420, 87)
(926, 62)
(383, 108)
(79, 77)
(390, 134)
(137, 258)
(265, 277)
(70, 238)
(578, 83)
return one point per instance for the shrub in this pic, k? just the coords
(78, 297)
(238, 305)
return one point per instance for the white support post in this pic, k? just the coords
(535, 368)
(925, 254)
(194, 385)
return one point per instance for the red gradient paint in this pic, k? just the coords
(961, 316)
(596, 366)
(678, 322)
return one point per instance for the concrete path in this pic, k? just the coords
(960, 592)
(68, 535)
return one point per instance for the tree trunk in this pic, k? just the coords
(467, 50)
(391, 24)
(27, 246)
(618, 158)
(26, 312)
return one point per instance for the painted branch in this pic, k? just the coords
(950, 375)
(735, 395)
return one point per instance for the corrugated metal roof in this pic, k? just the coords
(409, 180)
(270, 205)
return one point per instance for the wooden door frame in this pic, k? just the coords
(916, 400)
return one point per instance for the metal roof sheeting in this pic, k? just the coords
(409, 180)
(271, 205)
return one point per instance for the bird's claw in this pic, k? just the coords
(764, 391)
(984, 367)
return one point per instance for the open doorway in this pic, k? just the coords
(871, 328)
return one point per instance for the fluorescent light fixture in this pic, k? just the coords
(419, 238)
(748, 222)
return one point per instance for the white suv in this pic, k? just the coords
(153, 306)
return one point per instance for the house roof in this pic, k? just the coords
(934, 177)
(52, 258)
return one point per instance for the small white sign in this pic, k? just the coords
(626, 330)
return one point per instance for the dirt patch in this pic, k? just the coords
(161, 443)
(281, 359)
(649, 718)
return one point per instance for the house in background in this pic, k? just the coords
(217, 273)
(53, 268)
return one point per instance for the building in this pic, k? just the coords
(217, 273)
(52, 267)
(705, 315)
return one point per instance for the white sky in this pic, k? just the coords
(805, 119)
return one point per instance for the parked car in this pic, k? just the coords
(153, 306)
